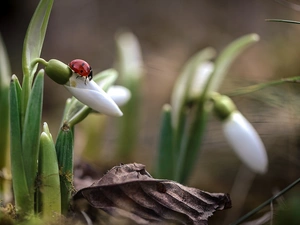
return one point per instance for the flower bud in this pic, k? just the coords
(58, 71)
(223, 106)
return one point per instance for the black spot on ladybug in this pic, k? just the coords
(82, 64)
(81, 71)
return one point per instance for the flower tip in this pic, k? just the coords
(119, 114)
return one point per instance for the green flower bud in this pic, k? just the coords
(58, 71)
(223, 106)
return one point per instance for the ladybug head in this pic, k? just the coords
(90, 76)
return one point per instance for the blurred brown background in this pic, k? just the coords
(169, 33)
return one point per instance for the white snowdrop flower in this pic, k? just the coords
(200, 79)
(245, 141)
(119, 94)
(92, 95)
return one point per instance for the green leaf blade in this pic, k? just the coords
(21, 192)
(166, 157)
(31, 131)
(50, 195)
(64, 150)
(32, 48)
(35, 36)
(189, 150)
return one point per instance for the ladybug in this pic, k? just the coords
(82, 68)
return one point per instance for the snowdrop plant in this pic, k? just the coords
(42, 168)
(194, 97)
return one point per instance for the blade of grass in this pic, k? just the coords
(21, 192)
(49, 189)
(31, 133)
(64, 151)
(166, 158)
(269, 201)
(32, 47)
(282, 21)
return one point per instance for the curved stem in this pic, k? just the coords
(78, 117)
(38, 60)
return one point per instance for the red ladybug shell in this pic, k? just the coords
(82, 68)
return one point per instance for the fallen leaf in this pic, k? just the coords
(128, 191)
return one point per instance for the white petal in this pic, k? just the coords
(119, 94)
(246, 142)
(201, 76)
(91, 95)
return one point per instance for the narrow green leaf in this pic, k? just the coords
(32, 47)
(21, 192)
(190, 146)
(166, 158)
(49, 189)
(5, 184)
(64, 150)
(35, 36)
(31, 132)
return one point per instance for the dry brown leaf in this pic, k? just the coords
(128, 191)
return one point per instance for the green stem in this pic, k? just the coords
(257, 87)
(239, 221)
(38, 60)
(78, 117)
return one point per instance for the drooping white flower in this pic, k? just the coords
(245, 141)
(92, 95)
